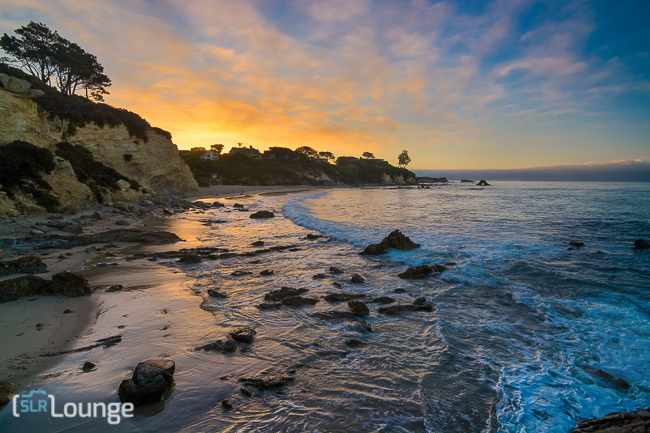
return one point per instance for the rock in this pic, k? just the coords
(69, 284)
(88, 365)
(216, 294)
(357, 279)
(122, 222)
(229, 346)
(343, 296)
(7, 390)
(218, 204)
(329, 315)
(237, 205)
(283, 293)
(228, 405)
(39, 326)
(98, 215)
(336, 271)
(359, 308)
(240, 273)
(311, 236)
(263, 214)
(299, 301)
(420, 272)
(216, 346)
(15, 85)
(353, 343)
(168, 211)
(34, 94)
(362, 327)
(265, 381)
(482, 182)
(244, 391)
(399, 291)
(396, 239)
(258, 244)
(189, 258)
(15, 288)
(607, 378)
(618, 422)
(115, 288)
(383, 300)
(266, 272)
(319, 276)
(576, 244)
(269, 305)
(243, 335)
(396, 309)
(641, 244)
(36, 232)
(23, 265)
(420, 301)
(67, 311)
(150, 381)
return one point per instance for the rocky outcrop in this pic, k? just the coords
(63, 283)
(23, 265)
(150, 382)
(420, 272)
(483, 182)
(396, 239)
(263, 214)
(155, 165)
(641, 244)
(243, 335)
(619, 422)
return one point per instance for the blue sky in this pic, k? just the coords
(459, 84)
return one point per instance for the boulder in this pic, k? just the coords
(7, 390)
(243, 335)
(359, 308)
(23, 265)
(151, 380)
(420, 301)
(34, 94)
(15, 85)
(69, 284)
(373, 250)
(383, 300)
(641, 244)
(283, 293)
(483, 182)
(357, 279)
(299, 301)
(396, 239)
(618, 422)
(263, 214)
(420, 272)
(10, 290)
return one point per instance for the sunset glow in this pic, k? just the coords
(460, 84)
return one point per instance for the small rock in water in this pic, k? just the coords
(88, 365)
(226, 404)
(336, 271)
(353, 343)
(576, 244)
(360, 309)
(357, 279)
(216, 294)
(243, 335)
(313, 236)
(383, 300)
(641, 244)
(189, 258)
(399, 291)
(263, 214)
(258, 243)
(267, 272)
(244, 391)
(319, 276)
(39, 326)
(150, 381)
(240, 273)
(420, 301)
(283, 293)
(299, 301)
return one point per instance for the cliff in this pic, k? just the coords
(149, 157)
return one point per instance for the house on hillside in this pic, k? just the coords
(249, 152)
(210, 155)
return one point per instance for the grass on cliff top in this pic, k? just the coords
(81, 111)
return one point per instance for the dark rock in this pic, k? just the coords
(399, 291)
(168, 211)
(258, 243)
(39, 326)
(337, 284)
(189, 258)
(383, 300)
(23, 265)
(359, 308)
(396, 309)
(243, 335)
(576, 244)
(7, 390)
(122, 222)
(229, 346)
(264, 381)
(608, 379)
(374, 250)
(88, 365)
(311, 236)
(216, 294)
(482, 182)
(269, 305)
(336, 271)
(267, 272)
(218, 204)
(68, 311)
(283, 293)
(618, 422)
(263, 214)
(641, 244)
(329, 315)
(421, 272)
(244, 391)
(151, 380)
(343, 296)
(353, 343)
(396, 239)
(420, 301)
(362, 326)
(319, 276)
(299, 301)
(237, 205)
(15, 288)
(66, 226)
(69, 284)
(240, 273)
(115, 288)
(357, 279)
(228, 405)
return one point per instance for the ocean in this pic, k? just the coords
(526, 333)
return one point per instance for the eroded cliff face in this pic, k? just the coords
(155, 165)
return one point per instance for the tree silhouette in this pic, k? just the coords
(403, 159)
(368, 155)
(307, 151)
(329, 156)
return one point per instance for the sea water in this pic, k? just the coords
(524, 321)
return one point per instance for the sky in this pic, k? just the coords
(503, 84)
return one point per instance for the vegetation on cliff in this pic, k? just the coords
(283, 166)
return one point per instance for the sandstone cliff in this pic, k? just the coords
(155, 165)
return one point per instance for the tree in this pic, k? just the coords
(403, 159)
(46, 55)
(217, 147)
(307, 151)
(329, 156)
(368, 155)
(240, 144)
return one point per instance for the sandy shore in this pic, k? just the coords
(32, 326)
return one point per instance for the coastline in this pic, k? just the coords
(21, 362)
